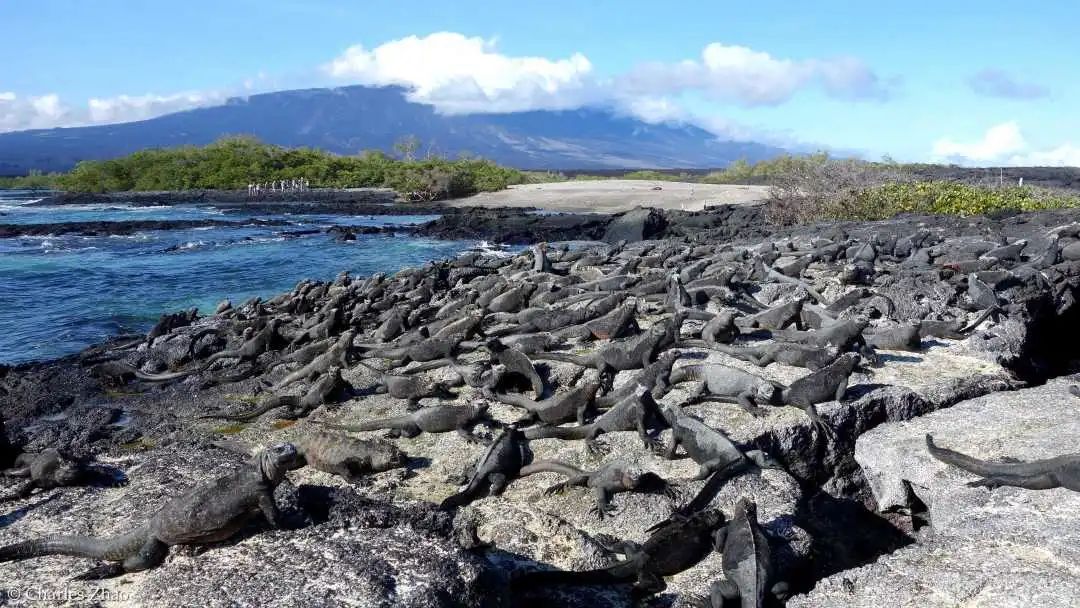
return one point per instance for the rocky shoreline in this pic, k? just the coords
(960, 322)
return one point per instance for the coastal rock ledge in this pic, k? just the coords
(1006, 547)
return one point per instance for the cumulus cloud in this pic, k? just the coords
(47, 111)
(997, 83)
(33, 112)
(754, 78)
(1005, 144)
(459, 74)
(126, 108)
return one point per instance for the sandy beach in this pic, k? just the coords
(613, 196)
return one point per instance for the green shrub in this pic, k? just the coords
(935, 197)
(233, 162)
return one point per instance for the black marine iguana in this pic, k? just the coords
(409, 388)
(788, 353)
(46, 470)
(670, 550)
(711, 449)
(210, 513)
(560, 407)
(1058, 472)
(441, 419)
(638, 412)
(727, 384)
(656, 377)
(747, 562)
(827, 384)
(500, 463)
(611, 478)
(336, 454)
(336, 356)
(630, 353)
(516, 362)
(250, 350)
(296, 406)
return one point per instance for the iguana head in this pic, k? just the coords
(763, 460)
(385, 456)
(767, 392)
(274, 461)
(709, 519)
(747, 506)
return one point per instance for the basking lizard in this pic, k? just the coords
(1058, 472)
(210, 513)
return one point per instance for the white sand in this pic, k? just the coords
(613, 196)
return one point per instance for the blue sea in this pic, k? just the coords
(60, 294)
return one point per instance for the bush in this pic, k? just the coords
(932, 197)
(234, 162)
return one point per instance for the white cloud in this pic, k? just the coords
(1004, 144)
(753, 78)
(30, 112)
(458, 74)
(998, 142)
(48, 111)
(126, 108)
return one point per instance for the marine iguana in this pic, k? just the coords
(427, 349)
(747, 563)
(729, 384)
(560, 407)
(303, 355)
(777, 317)
(296, 406)
(1058, 472)
(474, 375)
(788, 353)
(408, 387)
(711, 449)
(250, 350)
(610, 479)
(656, 377)
(516, 362)
(827, 384)
(500, 463)
(442, 419)
(953, 330)
(210, 513)
(336, 454)
(336, 356)
(626, 354)
(115, 373)
(901, 337)
(45, 470)
(638, 412)
(670, 550)
(749, 462)
(844, 335)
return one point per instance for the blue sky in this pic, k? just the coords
(976, 82)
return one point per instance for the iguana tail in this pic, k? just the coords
(969, 464)
(430, 365)
(545, 578)
(163, 377)
(558, 432)
(982, 317)
(550, 466)
(372, 425)
(270, 404)
(113, 549)
(564, 358)
(225, 354)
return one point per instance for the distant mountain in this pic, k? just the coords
(349, 119)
